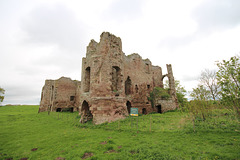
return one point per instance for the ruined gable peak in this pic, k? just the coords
(92, 47)
(110, 40)
(108, 35)
(62, 78)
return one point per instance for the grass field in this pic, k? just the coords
(26, 134)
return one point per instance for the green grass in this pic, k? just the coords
(172, 136)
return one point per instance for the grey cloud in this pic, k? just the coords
(174, 42)
(35, 69)
(217, 14)
(62, 62)
(211, 16)
(122, 10)
(21, 94)
(55, 25)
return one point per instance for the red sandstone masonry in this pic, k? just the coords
(111, 84)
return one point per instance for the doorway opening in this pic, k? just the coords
(159, 108)
(86, 113)
(58, 109)
(129, 106)
(144, 111)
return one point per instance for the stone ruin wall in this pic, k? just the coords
(111, 84)
(144, 77)
(60, 94)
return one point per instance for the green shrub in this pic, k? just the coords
(158, 93)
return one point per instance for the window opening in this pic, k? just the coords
(148, 86)
(136, 88)
(52, 93)
(87, 79)
(128, 84)
(147, 68)
(72, 98)
(116, 83)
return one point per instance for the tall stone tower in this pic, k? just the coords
(102, 79)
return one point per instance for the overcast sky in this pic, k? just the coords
(46, 39)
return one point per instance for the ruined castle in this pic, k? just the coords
(111, 84)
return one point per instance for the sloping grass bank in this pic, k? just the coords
(26, 134)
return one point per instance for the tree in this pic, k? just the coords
(200, 107)
(200, 93)
(228, 77)
(208, 78)
(180, 92)
(2, 91)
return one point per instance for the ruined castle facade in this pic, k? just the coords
(111, 84)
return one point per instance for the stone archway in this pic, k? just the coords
(86, 113)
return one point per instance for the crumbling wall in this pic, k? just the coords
(142, 74)
(59, 94)
(172, 84)
(47, 96)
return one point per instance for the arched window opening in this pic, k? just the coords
(159, 108)
(116, 82)
(165, 83)
(128, 84)
(129, 106)
(144, 111)
(86, 113)
(87, 79)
